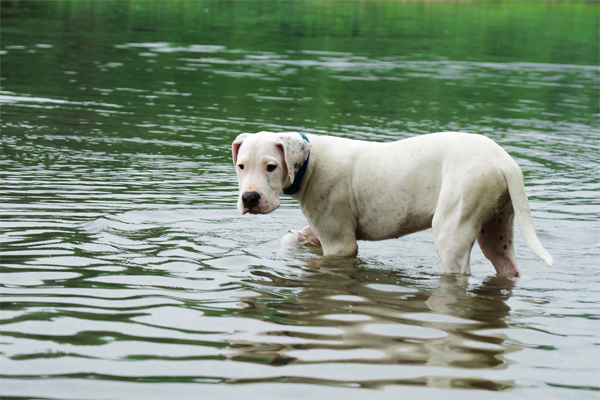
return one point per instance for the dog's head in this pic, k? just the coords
(266, 164)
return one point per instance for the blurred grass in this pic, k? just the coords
(524, 31)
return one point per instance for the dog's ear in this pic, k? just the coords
(295, 151)
(235, 146)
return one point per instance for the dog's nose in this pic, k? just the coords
(250, 199)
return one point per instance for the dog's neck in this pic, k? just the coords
(293, 189)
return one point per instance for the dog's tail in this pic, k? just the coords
(516, 188)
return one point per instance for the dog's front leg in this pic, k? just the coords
(340, 246)
(335, 228)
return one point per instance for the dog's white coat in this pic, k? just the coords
(465, 186)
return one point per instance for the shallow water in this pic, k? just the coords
(127, 272)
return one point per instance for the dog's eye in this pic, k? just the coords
(241, 166)
(271, 167)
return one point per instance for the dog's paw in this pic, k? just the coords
(298, 237)
(291, 239)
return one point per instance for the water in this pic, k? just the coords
(127, 273)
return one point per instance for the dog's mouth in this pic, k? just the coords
(254, 210)
(257, 210)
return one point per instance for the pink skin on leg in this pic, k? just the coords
(496, 242)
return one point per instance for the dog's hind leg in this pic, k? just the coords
(454, 235)
(496, 241)
(453, 243)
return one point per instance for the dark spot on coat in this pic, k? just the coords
(510, 242)
(517, 274)
(501, 237)
(494, 221)
(482, 231)
(505, 247)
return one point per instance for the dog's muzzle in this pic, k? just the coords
(250, 200)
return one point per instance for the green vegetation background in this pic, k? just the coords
(525, 31)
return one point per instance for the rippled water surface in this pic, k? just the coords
(127, 272)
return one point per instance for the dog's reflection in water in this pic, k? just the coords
(338, 310)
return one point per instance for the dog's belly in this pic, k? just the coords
(386, 227)
(392, 216)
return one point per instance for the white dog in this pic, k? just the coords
(465, 186)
